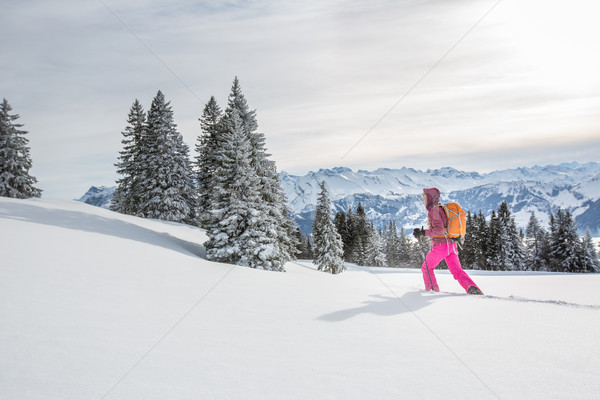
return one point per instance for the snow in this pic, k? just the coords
(99, 305)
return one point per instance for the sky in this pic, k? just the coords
(477, 85)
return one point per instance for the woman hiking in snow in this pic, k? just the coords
(443, 248)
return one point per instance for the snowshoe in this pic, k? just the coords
(474, 290)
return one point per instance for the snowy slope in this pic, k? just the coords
(96, 305)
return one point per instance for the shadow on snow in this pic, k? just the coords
(387, 306)
(96, 224)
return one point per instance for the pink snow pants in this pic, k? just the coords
(446, 252)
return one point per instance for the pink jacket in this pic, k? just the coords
(436, 216)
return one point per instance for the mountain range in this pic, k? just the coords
(394, 194)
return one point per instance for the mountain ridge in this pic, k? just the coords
(392, 194)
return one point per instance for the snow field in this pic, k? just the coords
(99, 305)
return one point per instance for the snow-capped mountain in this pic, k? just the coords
(393, 194)
(98, 196)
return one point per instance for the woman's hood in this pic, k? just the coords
(433, 197)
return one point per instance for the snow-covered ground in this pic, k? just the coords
(96, 305)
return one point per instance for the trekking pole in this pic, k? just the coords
(425, 260)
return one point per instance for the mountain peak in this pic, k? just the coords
(99, 196)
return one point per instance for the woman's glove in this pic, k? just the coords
(418, 232)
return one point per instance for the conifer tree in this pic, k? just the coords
(360, 236)
(390, 236)
(167, 187)
(481, 239)
(407, 255)
(341, 225)
(493, 243)
(566, 250)
(510, 248)
(536, 243)
(240, 230)
(469, 249)
(349, 235)
(15, 160)
(206, 148)
(591, 261)
(282, 225)
(374, 248)
(328, 247)
(126, 198)
(305, 248)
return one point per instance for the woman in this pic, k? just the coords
(443, 248)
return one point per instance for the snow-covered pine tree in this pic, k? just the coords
(15, 160)
(126, 199)
(390, 237)
(566, 250)
(406, 249)
(349, 235)
(328, 247)
(206, 146)
(167, 185)
(341, 225)
(305, 248)
(240, 229)
(469, 249)
(481, 240)
(592, 263)
(374, 247)
(359, 225)
(283, 226)
(510, 247)
(536, 243)
(493, 243)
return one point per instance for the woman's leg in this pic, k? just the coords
(433, 258)
(455, 268)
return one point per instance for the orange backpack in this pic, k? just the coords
(456, 226)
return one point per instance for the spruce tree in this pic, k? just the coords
(305, 248)
(510, 247)
(15, 160)
(405, 250)
(282, 225)
(481, 240)
(390, 236)
(374, 248)
(536, 244)
(360, 236)
(493, 243)
(328, 247)
(341, 225)
(349, 235)
(469, 249)
(206, 148)
(240, 230)
(126, 199)
(167, 187)
(566, 250)
(591, 261)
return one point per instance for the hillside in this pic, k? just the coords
(97, 305)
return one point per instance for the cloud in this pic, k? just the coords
(319, 73)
